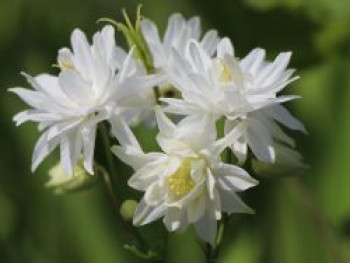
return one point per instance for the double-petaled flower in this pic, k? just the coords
(97, 82)
(239, 90)
(187, 183)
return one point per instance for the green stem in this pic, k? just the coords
(157, 94)
(107, 147)
(107, 178)
(213, 252)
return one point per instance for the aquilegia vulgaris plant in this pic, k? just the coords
(214, 113)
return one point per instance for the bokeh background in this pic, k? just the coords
(298, 219)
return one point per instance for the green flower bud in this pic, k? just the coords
(134, 37)
(127, 209)
(61, 182)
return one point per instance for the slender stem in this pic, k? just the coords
(157, 94)
(319, 221)
(212, 252)
(107, 147)
(109, 186)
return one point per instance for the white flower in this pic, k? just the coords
(177, 34)
(187, 183)
(240, 90)
(96, 83)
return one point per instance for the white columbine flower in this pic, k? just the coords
(177, 34)
(96, 83)
(240, 90)
(187, 183)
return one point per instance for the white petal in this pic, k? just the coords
(206, 228)
(195, 26)
(283, 116)
(210, 184)
(36, 116)
(70, 149)
(145, 214)
(104, 44)
(232, 203)
(88, 137)
(175, 24)
(32, 98)
(150, 33)
(209, 42)
(42, 148)
(196, 209)
(154, 194)
(253, 61)
(218, 146)
(271, 72)
(233, 178)
(123, 133)
(82, 58)
(62, 127)
(128, 67)
(49, 86)
(75, 87)
(190, 130)
(148, 174)
(225, 47)
(135, 158)
(173, 219)
(260, 141)
(165, 125)
(238, 146)
(180, 107)
(199, 59)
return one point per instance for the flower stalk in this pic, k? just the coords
(141, 248)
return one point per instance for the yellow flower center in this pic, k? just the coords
(66, 64)
(225, 74)
(180, 183)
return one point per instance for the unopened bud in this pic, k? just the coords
(127, 209)
(62, 182)
(288, 163)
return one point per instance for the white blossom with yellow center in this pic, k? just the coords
(186, 183)
(97, 82)
(240, 90)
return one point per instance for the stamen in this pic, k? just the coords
(180, 183)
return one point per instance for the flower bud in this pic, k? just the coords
(288, 163)
(62, 182)
(127, 209)
(134, 38)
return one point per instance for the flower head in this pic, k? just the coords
(240, 90)
(177, 34)
(97, 82)
(187, 183)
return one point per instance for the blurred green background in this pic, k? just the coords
(305, 220)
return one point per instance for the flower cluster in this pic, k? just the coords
(195, 80)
